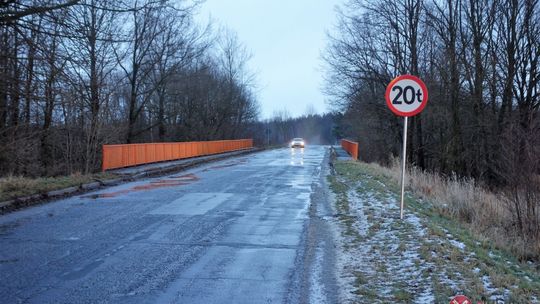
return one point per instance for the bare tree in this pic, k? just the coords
(480, 61)
(78, 74)
(11, 11)
(92, 29)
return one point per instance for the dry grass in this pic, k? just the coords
(18, 186)
(484, 212)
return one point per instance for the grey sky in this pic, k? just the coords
(286, 38)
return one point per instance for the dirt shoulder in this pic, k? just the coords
(426, 258)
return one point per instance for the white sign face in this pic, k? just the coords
(406, 95)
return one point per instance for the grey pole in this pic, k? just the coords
(403, 161)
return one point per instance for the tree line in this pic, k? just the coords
(78, 74)
(282, 127)
(479, 59)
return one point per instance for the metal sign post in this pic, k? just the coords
(406, 96)
(403, 163)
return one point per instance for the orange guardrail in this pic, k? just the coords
(351, 147)
(120, 156)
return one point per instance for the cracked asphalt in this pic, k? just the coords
(249, 229)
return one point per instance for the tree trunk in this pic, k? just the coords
(4, 74)
(161, 116)
(510, 52)
(15, 86)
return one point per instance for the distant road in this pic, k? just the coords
(236, 231)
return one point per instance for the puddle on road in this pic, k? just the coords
(227, 165)
(172, 181)
(105, 195)
(187, 177)
(157, 185)
(297, 157)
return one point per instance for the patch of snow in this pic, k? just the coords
(304, 211)
(381, 184)
(425, 297)
(414, 220)
(494, 293)
(316, 287)
(386, 256)
(361, 224)
(445, 281)
(457, 244)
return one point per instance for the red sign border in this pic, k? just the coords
(422, 86)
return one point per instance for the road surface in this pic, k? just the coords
(245, 230)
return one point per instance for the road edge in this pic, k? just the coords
(315, 279)
(45, 197)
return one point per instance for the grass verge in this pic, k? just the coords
(12, 187)
(455, 256)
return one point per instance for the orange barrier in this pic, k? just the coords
(351, 147)
(120, 156)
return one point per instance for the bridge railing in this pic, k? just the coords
(120, 156)
(351, 147)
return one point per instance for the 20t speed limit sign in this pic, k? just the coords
(406, 95)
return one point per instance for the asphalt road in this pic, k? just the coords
(245, 230)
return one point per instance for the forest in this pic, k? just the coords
(314, 128)
(78, 74)
(479, 60)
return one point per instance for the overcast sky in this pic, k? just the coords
(286, 38)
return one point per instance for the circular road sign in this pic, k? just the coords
(406, 95)
(460, 299)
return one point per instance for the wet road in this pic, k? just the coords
(243, 230)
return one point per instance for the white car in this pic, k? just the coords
(297, 143)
